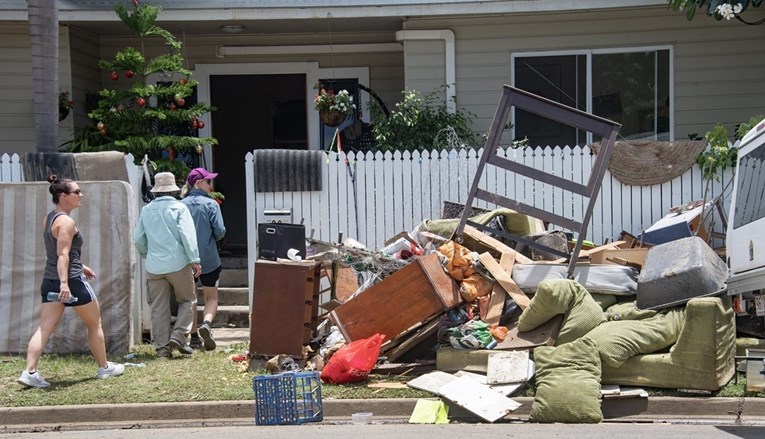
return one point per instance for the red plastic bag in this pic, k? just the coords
(353, 362)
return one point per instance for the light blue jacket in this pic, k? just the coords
(210, 228)
(165, 236)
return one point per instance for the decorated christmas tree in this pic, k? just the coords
(154, 118)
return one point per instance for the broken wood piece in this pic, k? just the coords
(412, 340)
(409, 296)
(543, 335)
(497, 298)
(387, 386)
(504, 280)
(493, 243)
(589, 253)
(622, 261)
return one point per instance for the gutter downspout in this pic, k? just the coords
(449, 51)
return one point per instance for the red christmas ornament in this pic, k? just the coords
(200, 124)
(115, 76)
(140, 102)
(129, 74)
(171, 106)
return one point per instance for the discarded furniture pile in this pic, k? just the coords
(493, 299)
(491, 315)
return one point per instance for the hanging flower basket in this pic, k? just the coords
(332, 118)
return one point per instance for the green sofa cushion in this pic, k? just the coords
(628, 311)
(568, 383)
(619, 340)
(567, 297)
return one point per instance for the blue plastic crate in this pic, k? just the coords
(287, 398)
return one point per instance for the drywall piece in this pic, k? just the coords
(502, 389)
(479, 399)
(431, 382)
(507, 367)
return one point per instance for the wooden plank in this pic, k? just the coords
(497, 298)
(478, 399)
(543, 335)
(421, 334)
(590, 252)
(493, 243)
(504, 280)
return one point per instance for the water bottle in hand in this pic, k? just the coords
(54, 297)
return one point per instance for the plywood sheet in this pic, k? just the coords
(407, 297)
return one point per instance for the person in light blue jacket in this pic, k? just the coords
(166, 237)
(210, 229)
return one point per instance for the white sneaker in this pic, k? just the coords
(111, 370)
(33, 379)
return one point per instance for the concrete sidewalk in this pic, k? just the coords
(719, 411)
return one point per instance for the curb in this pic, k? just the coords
(660, 409)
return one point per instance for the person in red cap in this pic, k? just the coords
(208, 221)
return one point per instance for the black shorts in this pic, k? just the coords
(211, 279)
(79, 287)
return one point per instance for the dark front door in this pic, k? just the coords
(252, 112)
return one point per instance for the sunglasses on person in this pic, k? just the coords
(76, 191)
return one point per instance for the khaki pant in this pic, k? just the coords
(160, 287)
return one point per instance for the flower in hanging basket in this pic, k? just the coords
(333, 107)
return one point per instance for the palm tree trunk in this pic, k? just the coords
(43, 33)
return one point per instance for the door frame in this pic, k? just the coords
(312, 71)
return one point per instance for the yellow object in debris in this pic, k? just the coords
(430, 411)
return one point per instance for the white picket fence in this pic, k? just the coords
(371, 197)
(393, 192)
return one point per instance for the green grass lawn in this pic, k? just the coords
(204, 376)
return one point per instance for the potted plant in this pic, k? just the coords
(64, 105)
(333, 107)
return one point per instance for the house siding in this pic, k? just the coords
(719, 67)
(17, 122)
(386, 72)
(85, 72)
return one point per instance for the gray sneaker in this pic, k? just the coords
(181, 347)
(33, 380)
(206, 333)
(111, 370)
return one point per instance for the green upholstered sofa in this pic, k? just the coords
(702, 358)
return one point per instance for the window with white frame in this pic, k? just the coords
(630, 86)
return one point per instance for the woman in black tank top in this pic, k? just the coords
(66, 275)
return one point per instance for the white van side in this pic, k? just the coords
(745, 240)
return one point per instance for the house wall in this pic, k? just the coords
(386, 72)
(86, 77)
(719, 71)
(17, 122)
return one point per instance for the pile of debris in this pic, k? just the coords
(464, 310)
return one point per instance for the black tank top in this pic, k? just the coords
(75, 263)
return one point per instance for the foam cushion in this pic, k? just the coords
(567, 297)
(568, 384)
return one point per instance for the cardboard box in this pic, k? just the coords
(633, 255)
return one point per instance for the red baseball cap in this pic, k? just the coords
(197, 174)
